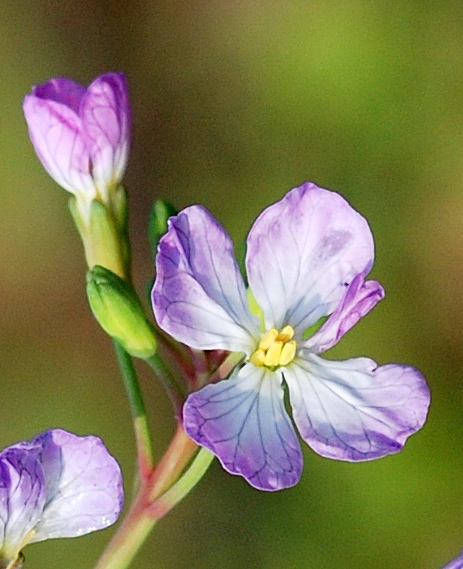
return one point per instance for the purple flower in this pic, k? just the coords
(55, 485)
(81, 135)
(307, 257)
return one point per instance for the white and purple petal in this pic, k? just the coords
(353, 409)
(243, 421)
(199, 296)
(302, 253)
(81, 135)
(55, 130)
(84, 485)
(105, 114)
(22, 495)
(360, 297)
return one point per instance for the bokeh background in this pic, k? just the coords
(234, 103)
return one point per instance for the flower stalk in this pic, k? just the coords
(156, 496)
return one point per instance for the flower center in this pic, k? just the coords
(276, 348)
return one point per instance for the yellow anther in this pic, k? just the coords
(276, 348)
(268, 338)
(258, 358)
(288, 353)
(285, 334)
(272, 357)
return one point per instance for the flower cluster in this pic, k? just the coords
(55, 485)
(307, 261)
(307, 258)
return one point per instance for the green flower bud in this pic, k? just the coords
(118, 310)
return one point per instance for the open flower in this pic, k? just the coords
(307, 256)
(81, 135)
(56, 485)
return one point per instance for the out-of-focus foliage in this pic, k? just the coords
(234, 103)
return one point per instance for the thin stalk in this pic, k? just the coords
(184, 485)
(140, 520)
(137, 407)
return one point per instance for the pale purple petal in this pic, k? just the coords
(243, 421)
(105, 114)
(199, 296)
(81, 135)
(84, 485)
(56, 134)
(303, 252)
(359, 299)
(457, 563)
(61, 90)
(354, 410)
(22, 495)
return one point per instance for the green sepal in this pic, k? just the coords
(157, 224)
(119, 312)
(104, 244)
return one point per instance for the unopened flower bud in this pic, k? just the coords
(119, 312)
(81, 135)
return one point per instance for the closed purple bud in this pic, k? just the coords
(81, 135)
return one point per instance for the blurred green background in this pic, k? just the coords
(234, 103)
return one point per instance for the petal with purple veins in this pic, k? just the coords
(22, 495)
(302, 252)
(56, 134)
(243, 421)
(105, 115)
(199, 296)
(359, 299)
(84, 490)
(62, 90)
(353, 409)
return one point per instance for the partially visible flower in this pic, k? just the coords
(81, 135)
(307, 258)
(457, 563)
(55, 485)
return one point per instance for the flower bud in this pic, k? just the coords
(119, 312)
(81, 135)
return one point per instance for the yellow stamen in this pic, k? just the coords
(268, 338)
(272, 357)
(276, 348)
(288, 353)
(258, 358)
(285, 334)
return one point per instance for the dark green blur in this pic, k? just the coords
(233, 104)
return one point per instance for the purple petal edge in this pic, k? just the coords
(353, 410)
(359, 299)
(242, 420)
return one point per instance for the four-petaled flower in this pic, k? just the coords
(81, 135)
(307, 257)
(55, 485)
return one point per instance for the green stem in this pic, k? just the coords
(184, 485)
(137, 407)
(156, 496)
